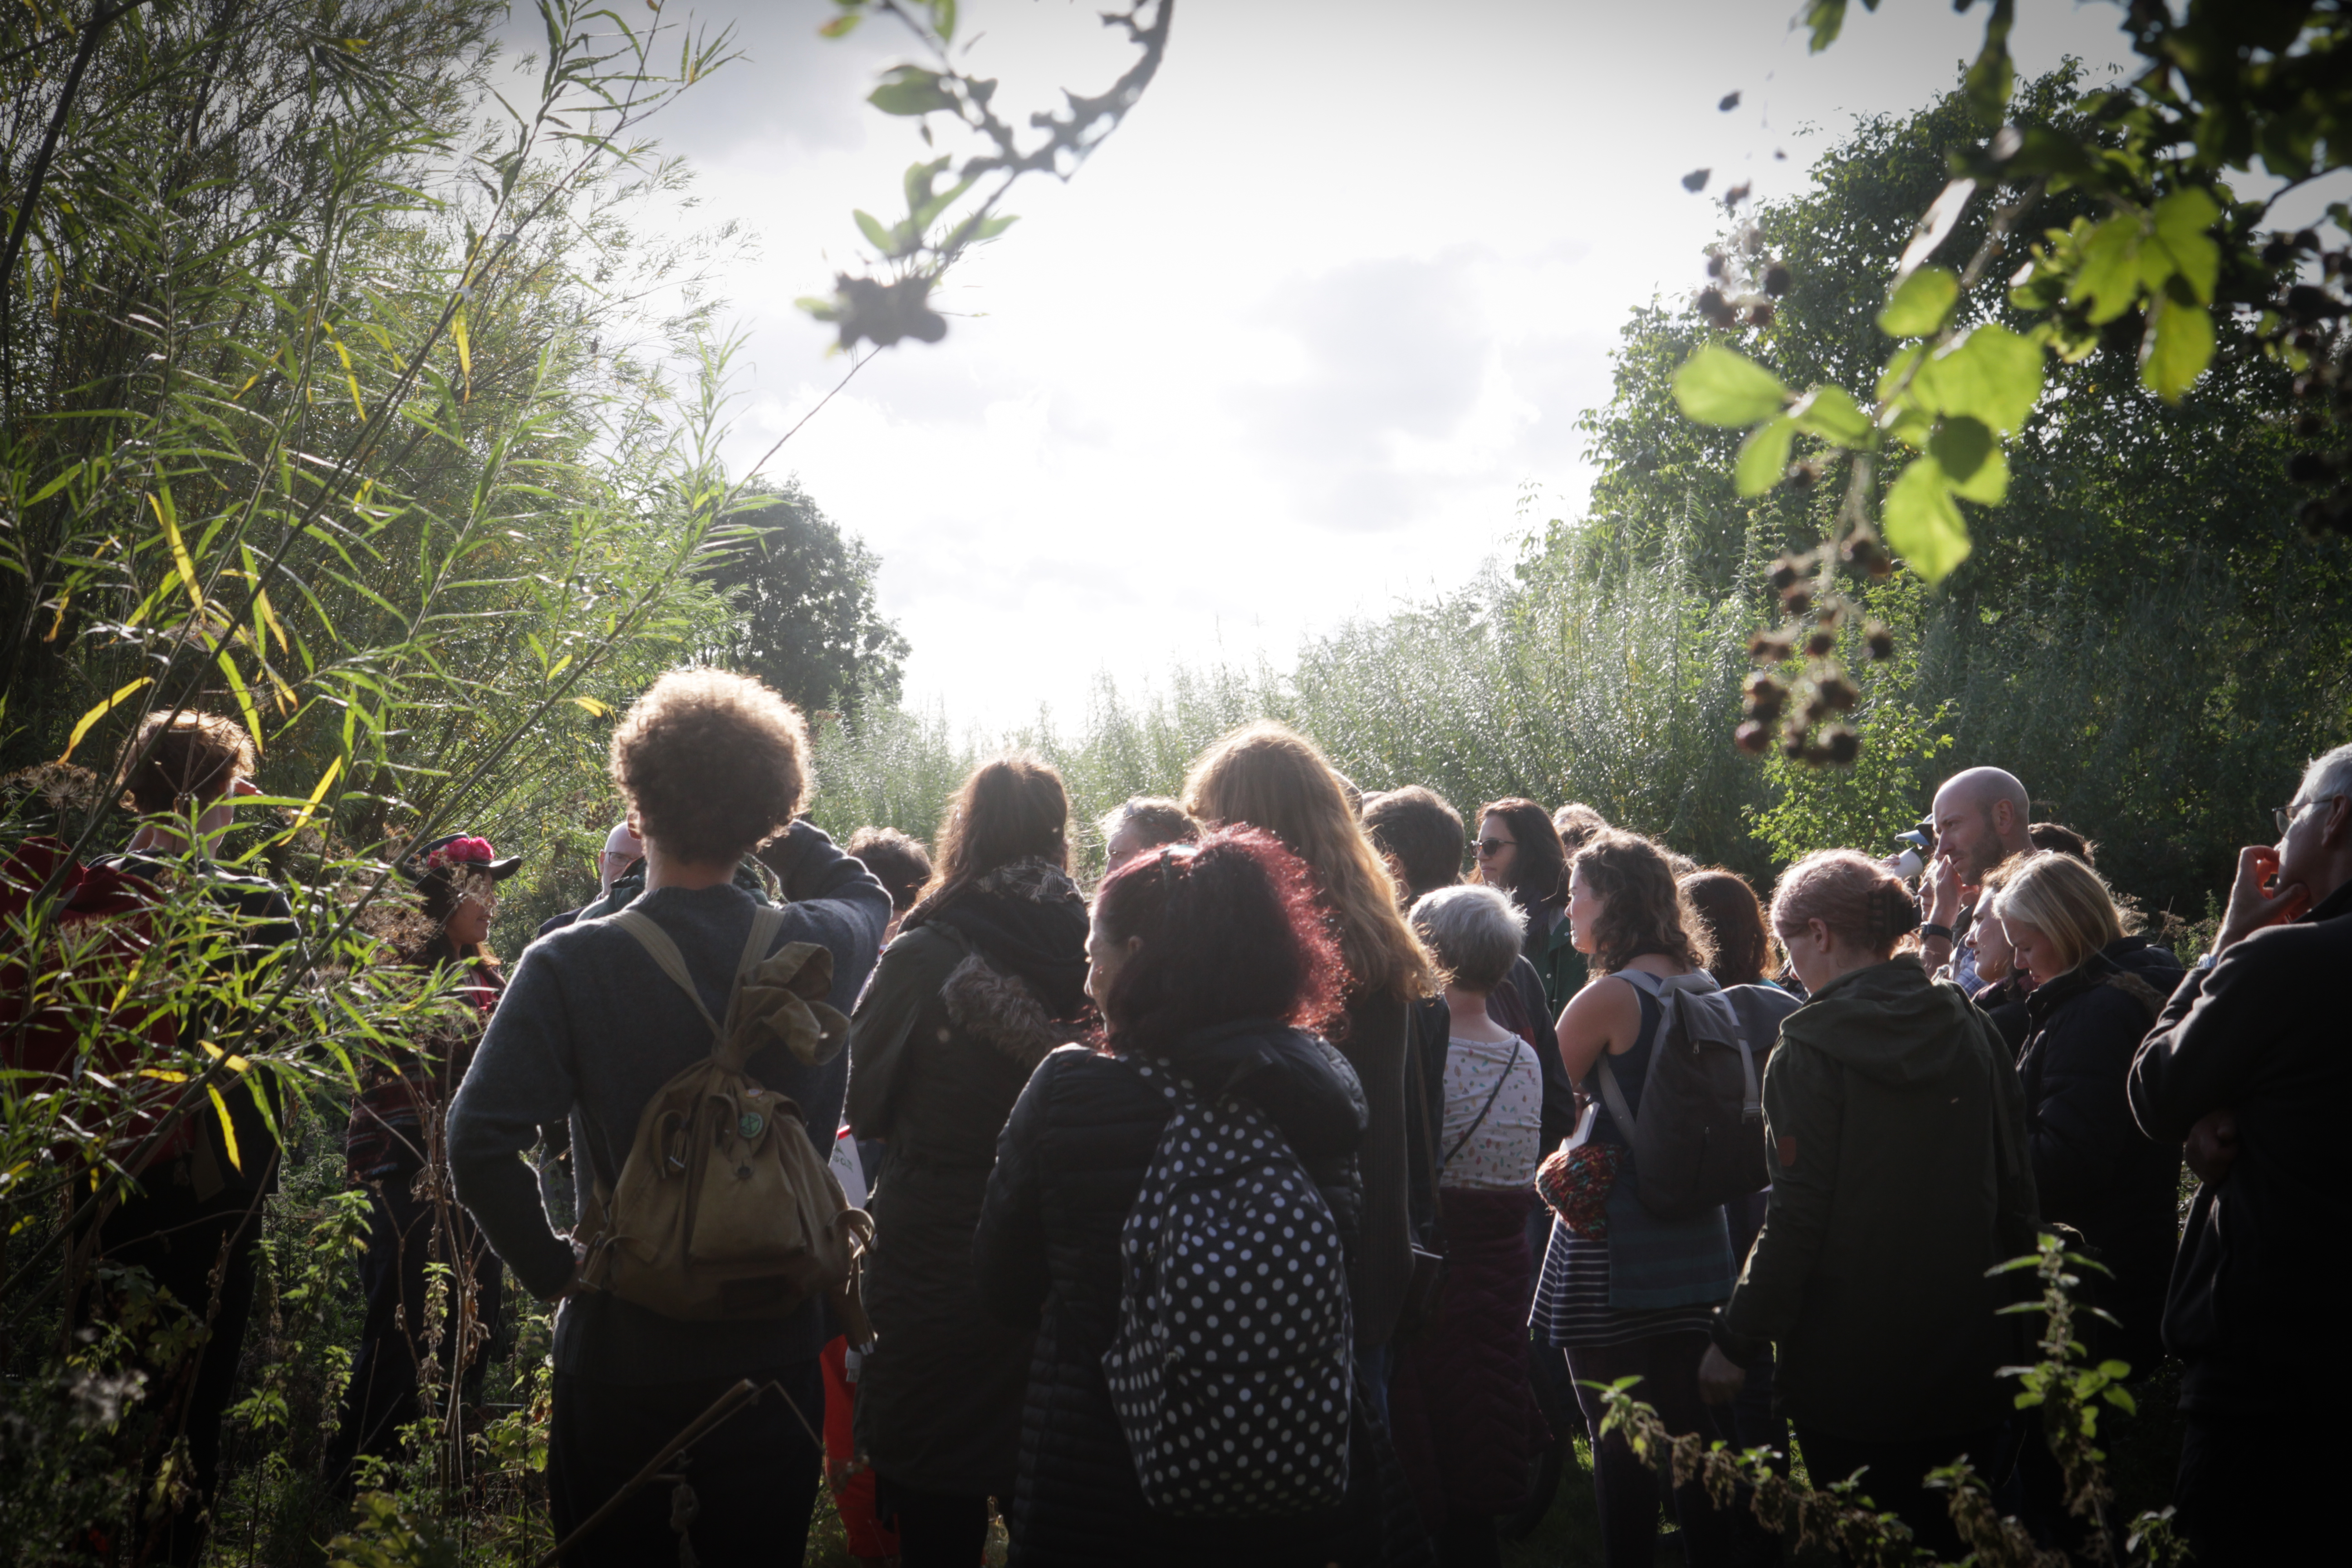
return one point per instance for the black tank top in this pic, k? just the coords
(1631, 1071)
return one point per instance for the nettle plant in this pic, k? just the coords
(2165, 246)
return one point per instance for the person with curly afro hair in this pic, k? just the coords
(713, 765)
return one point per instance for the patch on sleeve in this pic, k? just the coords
(1788, 1153)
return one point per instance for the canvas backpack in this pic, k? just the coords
(1699, 1138)
(724, 1209)
(1230, 1368)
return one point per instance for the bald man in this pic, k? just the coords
(622, 849)
(1981, 819)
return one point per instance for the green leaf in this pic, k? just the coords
(1919, 306)
(1826, 18)
(1764, 456)
(1989, 486)
(871, 227)
(1990, 80)
(1993, 374)
(944, 18)
(2108, 280)
(1921, 522)
(841, 27)
(1828, 411)
(2178, 346)
(2181, 220)
(909, 90)
(1959, 447)
(1717, 386)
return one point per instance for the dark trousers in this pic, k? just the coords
(1625, 1489)
(754, 1477)
(2261, 1488)
(936, 1530)
(1899, 1470)
(1468, 1541)
(178, 1239)
(382, 1396)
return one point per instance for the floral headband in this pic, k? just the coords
(460, 852)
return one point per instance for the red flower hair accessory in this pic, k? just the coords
(460, 852)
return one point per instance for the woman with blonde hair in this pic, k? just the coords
(2097, 991)
(1265, 775)
(1899, 1178)
(1636, 1300)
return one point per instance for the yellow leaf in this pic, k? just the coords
(465, 352)
(101, 711)
(261, 599)
(244, 698)
(59, 624)
(286, 701)
(161, 500)
(163, 1075)
(326, 783)
(235, 1064)
(594, 707)
(229, 1131)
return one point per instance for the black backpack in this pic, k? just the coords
(1699, 1140)
(1230, 1367)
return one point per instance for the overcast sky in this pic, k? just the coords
(1309, 333)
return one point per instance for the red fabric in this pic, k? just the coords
(119, 904)
(848, 1479)
(1465, 1416)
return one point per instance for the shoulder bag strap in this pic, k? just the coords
(1612, 1094)
(1492, 1095)
(765, 922)
(656, 942)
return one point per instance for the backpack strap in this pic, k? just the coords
(766, 921)
(1487, 1109)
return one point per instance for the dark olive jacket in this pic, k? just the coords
(1900, 1175)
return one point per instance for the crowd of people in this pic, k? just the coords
(1309, 1074)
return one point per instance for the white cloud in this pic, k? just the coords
(1297, 337)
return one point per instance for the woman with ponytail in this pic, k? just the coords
(1901, 1174)
(1213, 960)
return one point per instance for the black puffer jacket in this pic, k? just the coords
(1068, 1167)
(2093, 1167)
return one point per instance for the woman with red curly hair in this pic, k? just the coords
(1214, 958)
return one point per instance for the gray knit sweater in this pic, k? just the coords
(591, 1028)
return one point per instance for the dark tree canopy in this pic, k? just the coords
(804, 620)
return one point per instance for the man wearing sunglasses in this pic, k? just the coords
(2250, 1064)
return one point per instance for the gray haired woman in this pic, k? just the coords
(1466, 1423)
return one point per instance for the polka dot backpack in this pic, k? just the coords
(1230, 1367)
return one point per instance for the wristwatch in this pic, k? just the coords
(1933, 929)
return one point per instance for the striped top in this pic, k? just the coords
(1685, 1267)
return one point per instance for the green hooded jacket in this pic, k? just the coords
(1901, 1173)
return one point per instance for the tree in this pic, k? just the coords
(802, 597)
(2138, 632)
(2145, 250)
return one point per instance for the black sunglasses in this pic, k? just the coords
(1494, 845)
